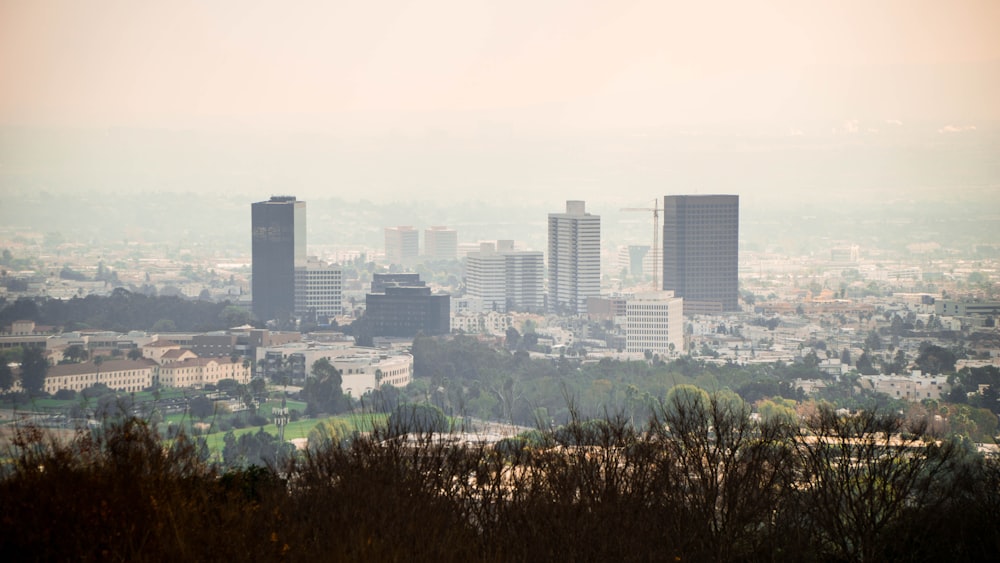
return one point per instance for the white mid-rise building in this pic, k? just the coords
(574, 258)
(319, 291)
(914, 387)
(486, 277)
(504, 279)
(654, 321)
(525, 281)
(402, 245)
(440, 243)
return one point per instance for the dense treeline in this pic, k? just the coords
(123, 311)
(700, 482)
(465, 376)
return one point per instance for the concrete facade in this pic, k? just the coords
(574, 259)
(654, 321)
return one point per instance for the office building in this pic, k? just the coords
(403, 309)
(701, 251)
(505, 279)
(574, 259)
(318, 291)
(404, 279)
(440, 243)
(654, 322)
(279, 247)
(402, 245)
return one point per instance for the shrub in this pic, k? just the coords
(65, 394)
(410, 418)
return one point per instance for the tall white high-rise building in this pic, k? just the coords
(440, 243)
(574, 259)
(505, 279)
(486, 277)
(654, 321)
(525, 281)
(402, 245)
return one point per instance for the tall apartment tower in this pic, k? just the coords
(279, 247)
(574, 259)
(701, 251)
(440, 243)
(402, 245)
(505, 279)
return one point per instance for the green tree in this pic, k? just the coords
(778, 409)
(512, 338)
(34, 369)
(323, 392)
(410, 418)
(75, 353)
(201, 407)
(865, 366)
(98, 361)
(164, 325)
(934, 359)
(234, 316)
(685, 398)
(255, 448)
(873, 341)
(328, 433)
(6, 376)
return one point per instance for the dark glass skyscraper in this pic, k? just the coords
(701, 251)
(279, 247)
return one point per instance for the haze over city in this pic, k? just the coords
(503, 281)
(401, 101)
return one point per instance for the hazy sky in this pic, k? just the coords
(562, 64)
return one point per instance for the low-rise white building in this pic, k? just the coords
(199, 372)
(914, 387)
(120, 375)
(491, 322)
(362, 369)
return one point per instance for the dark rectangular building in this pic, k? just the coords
(279, 247)
(701, 251)
(405, 279)
(404, 311)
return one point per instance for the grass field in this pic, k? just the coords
(298, 429)
(184, 420)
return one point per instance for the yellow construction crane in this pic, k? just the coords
(656, 238)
